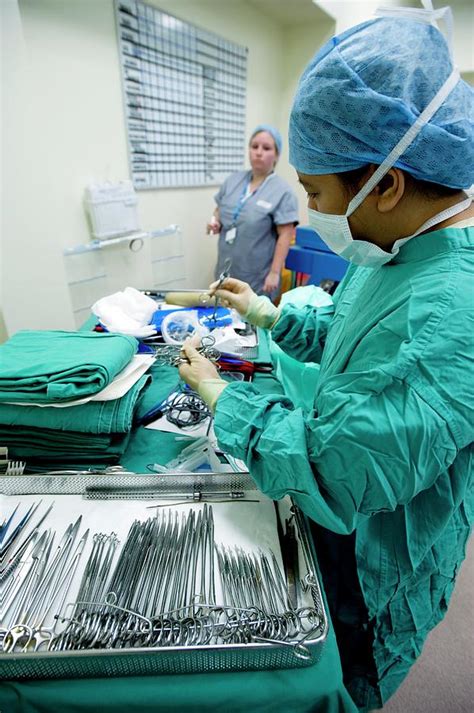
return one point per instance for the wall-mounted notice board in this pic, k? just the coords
(184, 92)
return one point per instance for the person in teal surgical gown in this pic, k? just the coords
(381, 136)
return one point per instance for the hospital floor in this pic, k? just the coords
(441, 681)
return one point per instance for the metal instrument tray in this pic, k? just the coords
(167, 659)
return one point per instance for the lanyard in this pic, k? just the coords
(244, 196)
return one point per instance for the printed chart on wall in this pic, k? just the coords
(184, 92)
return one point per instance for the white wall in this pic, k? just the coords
(301, 42)
(64, 126)
(463, 37)
(11, 49)
(348, 13)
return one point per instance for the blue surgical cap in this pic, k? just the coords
(274, 133)
(362, 92)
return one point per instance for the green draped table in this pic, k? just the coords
(317, 688)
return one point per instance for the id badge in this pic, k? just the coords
(230, 235)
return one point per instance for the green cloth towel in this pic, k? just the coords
(46, 366)
(113, 416)
(66, 446)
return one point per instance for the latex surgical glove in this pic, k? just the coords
(210, 390)
(259, 311)
(197, 367)
(233, 293)
(272, 281)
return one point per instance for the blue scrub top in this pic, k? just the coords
(251, 253)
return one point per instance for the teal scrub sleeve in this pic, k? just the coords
(366, 451)
(301, 331)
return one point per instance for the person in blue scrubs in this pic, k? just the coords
(381, 136)
(255, 217)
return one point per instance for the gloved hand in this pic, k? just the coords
(259, 311)
(262, 312)
(210, 390)
(233, 293)
(201, 375)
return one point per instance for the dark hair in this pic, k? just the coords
(353, 181)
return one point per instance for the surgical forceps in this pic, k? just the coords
(16, 556)
(41, 634)
(18, 529)
(47, 580)
(224, 275)
(6, 524)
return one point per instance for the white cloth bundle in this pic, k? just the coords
(128, 312)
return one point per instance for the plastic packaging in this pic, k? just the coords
(178, 326)
(112, 208)
(192, 457)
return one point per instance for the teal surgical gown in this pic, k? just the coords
(386, 452)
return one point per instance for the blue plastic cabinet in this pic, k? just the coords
(311, 255)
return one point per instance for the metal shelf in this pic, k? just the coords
(130, 238)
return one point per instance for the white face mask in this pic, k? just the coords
(336, 233)
(335, 229)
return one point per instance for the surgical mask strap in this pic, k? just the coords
(440, 217)
(405, 141)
